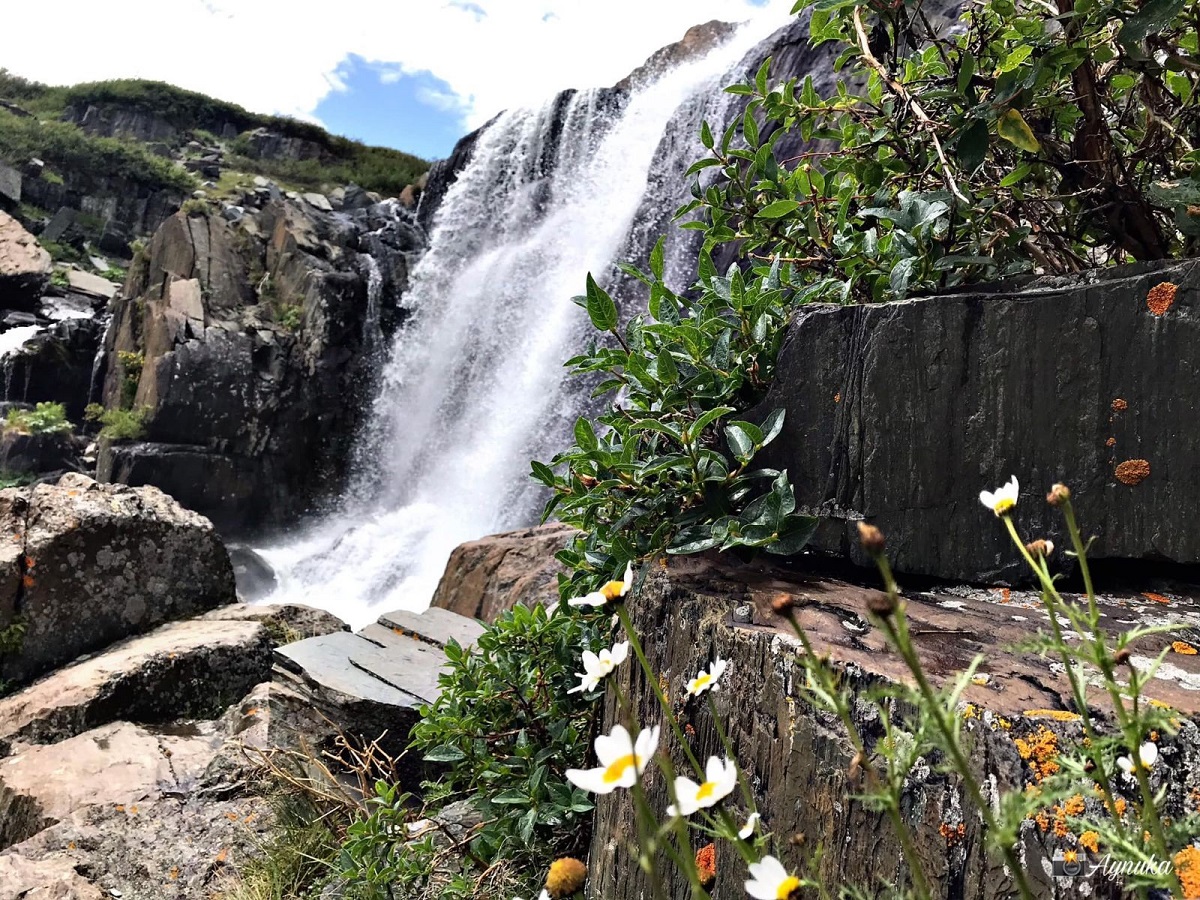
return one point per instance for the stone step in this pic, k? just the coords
(324, 664)
(433, 626)
(412, 668)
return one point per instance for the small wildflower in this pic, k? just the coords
(597, 666)
(706, 680)
(782, 604)
(881, 603)
(614, 590)
(1040, 548)
(720, 778)
(748, 829)
(1004, 499)
(769, 880)
(706, 864)
(621, 760)
(1147, 757)
(566, 876)
(1059, 494)
(871, 538)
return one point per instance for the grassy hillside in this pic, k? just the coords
(374, 168)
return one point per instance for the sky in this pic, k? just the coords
(410, 74)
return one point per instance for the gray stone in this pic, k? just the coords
(433, 626)
(24, 265)
(320, 201)
(90, 564)
(901, 413)
(10, 185)
(59, 223)
(87, 283)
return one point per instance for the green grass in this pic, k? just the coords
(45, 418)
(118, 424)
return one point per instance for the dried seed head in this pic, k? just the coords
(1059, 494)
(855, 769)
(798, 839)
(706, 864)
(566, 877)
(1040, 548)
(782, 604)
(871, 538)
(881, 603)
(1121, 657)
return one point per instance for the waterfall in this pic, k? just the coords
(474, 386)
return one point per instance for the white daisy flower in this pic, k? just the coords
(720, 778)
(1147, 756)
(596, 666)
(1003, 499)
(748, 828)
(707, 679)
(621, 760)
(769, 880)
(614, 590)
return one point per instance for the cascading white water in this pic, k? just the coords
(475, 386)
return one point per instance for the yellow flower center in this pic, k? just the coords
(787, 887)
(612, 590)
(706, 790)
(616, 769)
(700, 681)
(1003, 505)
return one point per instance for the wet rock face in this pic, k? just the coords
(902, 412)
(797, 758)
(84, 564)
(253, 346)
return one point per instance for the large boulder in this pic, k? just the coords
(252, 349)
(798, 760)
(24, 266)
(486, 577)
(89, 564)
(902, 412)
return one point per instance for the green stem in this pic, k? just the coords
(743, 782)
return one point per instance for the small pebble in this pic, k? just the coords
(743, 614)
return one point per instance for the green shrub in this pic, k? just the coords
(290, 316)
(12, 480)
(84, 158)
(45, 418)
(118, 424)
(194, 206)
(506, 730)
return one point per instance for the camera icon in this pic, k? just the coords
(1069, 864)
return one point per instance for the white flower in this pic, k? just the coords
(621, 760)
(720, 778)
(748, 828)
(1003, 500)
(769, 880)
(611, 591)
(705, 680)
(595, 667)
(1147, 756)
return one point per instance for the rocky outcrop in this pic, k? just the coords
(56, 364)
(486, 577)
(24, 266)
(696, 41)
(797, 759)
(90, 564)
(251, 346)
(901, 413)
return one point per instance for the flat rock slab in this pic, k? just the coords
(433, 626)
(87, 283)
(326, 664)
(901, 413)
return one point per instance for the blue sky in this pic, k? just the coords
(412, 74)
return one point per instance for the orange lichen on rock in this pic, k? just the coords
(1074, 806)
(1183, 647)
(1111, 442)
(1120, 405)
(1058, 715)
(706, 864)
(1156, 598)
(952, 834)
(1040, 750)
(1133, 471)
(1090, 840)
(1160, 298)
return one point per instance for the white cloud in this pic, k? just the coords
(283, 56)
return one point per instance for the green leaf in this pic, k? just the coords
(760, 78)
(542, 473)
(585, 437)
(901, 274)
(1153, 17)
(656, 258)
(798, 532)
(600, 307)
(739, 441)
(1013, 128)
(446, 753)
(511, 797)
(778, 209)
(706, 136)
(772, 425)
(972, 146)
(1014, 59)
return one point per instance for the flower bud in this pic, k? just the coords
(566, 877)
(1059, 494)
(782, 604)
(1040, 548)
(881, 603)
(1121, 657)
(871, 538)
